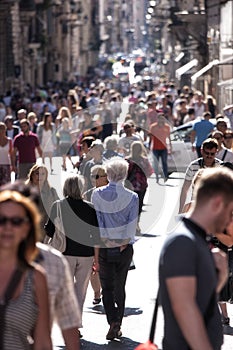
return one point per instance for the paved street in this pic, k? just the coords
(158, 218)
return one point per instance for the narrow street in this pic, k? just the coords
(157, 220)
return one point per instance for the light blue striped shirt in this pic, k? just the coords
(117, 211)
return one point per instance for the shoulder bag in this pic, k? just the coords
(59, 239)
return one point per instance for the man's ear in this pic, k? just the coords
(217, 204)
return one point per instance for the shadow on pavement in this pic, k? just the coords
(129, 311)
(121, 344)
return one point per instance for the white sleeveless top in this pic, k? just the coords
(4, 154)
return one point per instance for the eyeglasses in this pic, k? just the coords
(209, 153)
(14, 220)
(97, 176)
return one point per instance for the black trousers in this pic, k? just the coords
(113, 278)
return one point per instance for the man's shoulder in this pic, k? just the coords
(179, 235)
(50, 258)
(196, 163)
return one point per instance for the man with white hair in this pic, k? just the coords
(117, 214)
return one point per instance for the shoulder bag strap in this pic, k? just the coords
(15, 279)
(224, 155)
(14, 282)
(154, 319)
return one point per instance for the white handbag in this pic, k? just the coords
(59, 239)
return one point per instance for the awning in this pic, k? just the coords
(228, 84)
(203, 70)
(182, 70)
(228, 60)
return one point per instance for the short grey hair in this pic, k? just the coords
(111, 143)
(73, 187)
(116, 169)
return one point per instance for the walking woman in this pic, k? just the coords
(82, 234)
(38, 177)
(139, 170)
(46, 132)
(6, 160)
(24, 306)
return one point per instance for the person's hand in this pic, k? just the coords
(95, 267)
(220, 259)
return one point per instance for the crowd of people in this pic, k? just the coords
(112, 155)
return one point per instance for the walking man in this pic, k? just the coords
(190, 274)
(117, 214)
(25, 144)
(208, 150)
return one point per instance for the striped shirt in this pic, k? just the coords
(20, 318)
(197, 164)
(117, 211)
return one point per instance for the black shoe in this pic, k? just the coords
(96, 301)
(114, 331)
(226, 321)
(80, 334)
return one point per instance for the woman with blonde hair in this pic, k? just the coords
(6, 158)
(46, 132)
(81, 231)
(38, 177)
(65, 142)
(64, 112)
(24, 310)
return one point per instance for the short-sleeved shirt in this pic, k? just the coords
(225, 155)
(63, 302)
(186, 253)
(26, 145)
(197, 164)
(159, 136)
(202, 128)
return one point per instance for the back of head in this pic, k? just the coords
(116, 169)
(73, 187)
(88, 140)
(206, 115)
(110, 143)
(136, 149)
(213, 182)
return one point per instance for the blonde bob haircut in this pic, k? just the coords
(73, 187)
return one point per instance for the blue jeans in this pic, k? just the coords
(160, 153)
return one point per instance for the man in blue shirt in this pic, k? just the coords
(117, 214)
(201, 129)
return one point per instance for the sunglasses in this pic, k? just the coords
(14, 220)
(209, 153)
(218, 138)
(97, 176)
